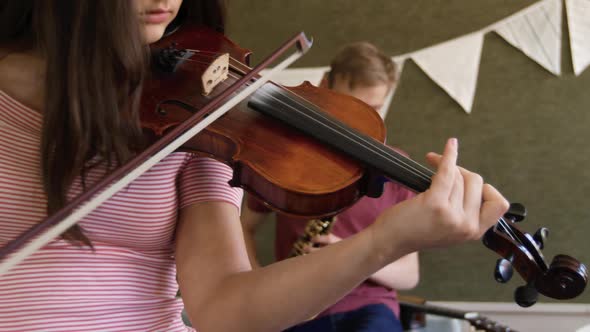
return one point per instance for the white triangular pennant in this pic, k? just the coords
(454, 66)
(537, 33)
(578, 17)
(399, 65)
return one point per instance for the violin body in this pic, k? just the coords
(286, 169)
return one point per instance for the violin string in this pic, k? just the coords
(368, 143)
(206, 63)
(202, 51)
(506, 228)
(211, 54)
(363, 140)
(329, 123)
(386, 154)
(360, 137)
(371, 144)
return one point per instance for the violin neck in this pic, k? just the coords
(296, 112)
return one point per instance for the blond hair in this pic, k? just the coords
(362, 63)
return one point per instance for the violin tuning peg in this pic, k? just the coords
(540, 236)
(503, 271)
(526, 296)
(516, 212)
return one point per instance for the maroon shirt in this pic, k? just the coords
(351, 221)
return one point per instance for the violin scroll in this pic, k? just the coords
(564, 278)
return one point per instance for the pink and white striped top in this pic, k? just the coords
(128, 283)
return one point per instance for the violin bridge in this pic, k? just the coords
(216, 73)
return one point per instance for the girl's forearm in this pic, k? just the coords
(273, 298)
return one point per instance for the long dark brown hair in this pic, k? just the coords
(95, 65)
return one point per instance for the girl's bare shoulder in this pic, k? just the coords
(22, 76)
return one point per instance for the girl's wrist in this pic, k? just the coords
(385, 246)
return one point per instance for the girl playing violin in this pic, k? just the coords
(71, 76)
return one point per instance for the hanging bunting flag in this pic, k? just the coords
(537, 33)
(454, 66)
(578, 19)
(399, 66)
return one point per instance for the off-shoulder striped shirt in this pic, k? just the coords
(128, 283)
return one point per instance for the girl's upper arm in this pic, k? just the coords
(209, 247)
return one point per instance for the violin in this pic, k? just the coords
(310, 152)
(305, 151)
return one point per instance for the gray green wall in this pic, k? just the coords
(527, 132)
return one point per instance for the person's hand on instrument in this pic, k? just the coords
(457, 207)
